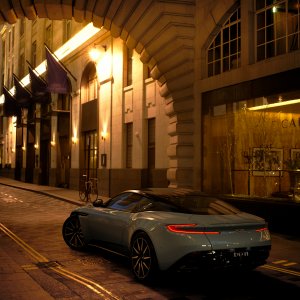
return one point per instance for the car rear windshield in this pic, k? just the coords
(196, 204)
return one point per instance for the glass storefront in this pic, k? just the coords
(253, 146)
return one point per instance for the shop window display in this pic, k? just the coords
(253, 146)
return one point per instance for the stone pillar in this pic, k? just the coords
(180, 150)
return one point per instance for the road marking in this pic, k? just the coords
(95, 287)
(278, 262)
(290, 264)
(284, 262)
(291, 272)
(29, 267)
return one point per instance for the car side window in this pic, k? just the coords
(124, 201)
(144, 204)
(147, 204)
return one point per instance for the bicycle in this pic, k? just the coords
(88, 190)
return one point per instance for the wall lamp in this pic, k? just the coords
(36, 146)
(52, 143)
(95, 53)
(103, 135)
(74, 140)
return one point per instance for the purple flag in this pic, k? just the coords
(39, 89)
(23, 96)
(57, 78)
(10, 106)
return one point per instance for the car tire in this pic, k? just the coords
(143, 258)
(72, 233)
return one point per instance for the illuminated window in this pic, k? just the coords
(89, 87)
(33, 54)
(22, 65)
(48, 36)
(127, 66)
(224, 52)
(67, 30)
(22, 26)
(277, 27)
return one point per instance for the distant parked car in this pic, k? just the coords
(163, 228)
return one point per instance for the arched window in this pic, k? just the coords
(224, 52)
(277, 27)
(89, 87)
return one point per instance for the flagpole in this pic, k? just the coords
(21, 84)
(59, 61)
(34, 70)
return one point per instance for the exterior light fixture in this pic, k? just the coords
(103, 135)
(36, 146)
(52, 143)
(96, 52)
(23, 148)
(74, 140)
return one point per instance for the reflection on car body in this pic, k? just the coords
(163, 228)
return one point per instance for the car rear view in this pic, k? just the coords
(237, 239)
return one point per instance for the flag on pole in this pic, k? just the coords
(23, 95)
(57, 78)
(39, 89)
(10, 105)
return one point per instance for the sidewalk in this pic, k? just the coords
(67, 195)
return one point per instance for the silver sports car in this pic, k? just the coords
(163, 228)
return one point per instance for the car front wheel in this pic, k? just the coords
(143, 258)
(72, 233)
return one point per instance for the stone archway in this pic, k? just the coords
(163, 34)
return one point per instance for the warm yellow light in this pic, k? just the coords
(103, 135)
(36, 146)
(277, 104)
(72, 44)
(74, 140)
(94, 54)
(52, 143)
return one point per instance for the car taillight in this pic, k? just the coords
(264, 233)
(262, 229)
(189, 228)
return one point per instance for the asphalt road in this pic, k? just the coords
(35, 263)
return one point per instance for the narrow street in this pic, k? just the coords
(35, 263)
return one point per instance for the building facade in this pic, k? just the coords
(200, 94)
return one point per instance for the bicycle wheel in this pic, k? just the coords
(82, 194)
(93, 192)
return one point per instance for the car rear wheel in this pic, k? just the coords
(72, 233)
(143, 258)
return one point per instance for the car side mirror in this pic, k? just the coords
(98, 203)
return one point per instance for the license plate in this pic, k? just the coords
(241, 254)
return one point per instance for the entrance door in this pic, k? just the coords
(45, 162)
(30, 161)
(90, 154)
(63, 162)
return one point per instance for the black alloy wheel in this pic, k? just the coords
(143, 258)
(72, 233)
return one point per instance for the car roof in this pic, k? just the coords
(168, 192)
